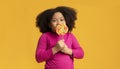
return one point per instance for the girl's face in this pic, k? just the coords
(57, 19)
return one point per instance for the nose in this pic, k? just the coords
(58, 22)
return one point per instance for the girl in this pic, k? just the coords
(57, 51)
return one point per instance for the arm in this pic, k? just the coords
(76, 49)
(42, 53)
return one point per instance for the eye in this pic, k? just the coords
(53, 20)
(62, 19)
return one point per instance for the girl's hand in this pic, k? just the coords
(59, 46)
(66, 50)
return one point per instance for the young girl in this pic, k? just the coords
(57, 51)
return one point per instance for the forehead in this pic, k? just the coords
(58, 15)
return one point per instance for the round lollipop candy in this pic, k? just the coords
(61, 29)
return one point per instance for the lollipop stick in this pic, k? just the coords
(62, 37)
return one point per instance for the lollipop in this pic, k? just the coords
(61, 29)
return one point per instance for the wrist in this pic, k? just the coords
(69, 51)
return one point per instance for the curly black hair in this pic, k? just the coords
(43, 19)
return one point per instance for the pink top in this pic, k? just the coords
(60, 60)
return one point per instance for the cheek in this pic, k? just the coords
(53, 27)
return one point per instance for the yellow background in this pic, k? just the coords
(97, 30)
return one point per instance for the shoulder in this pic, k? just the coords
(47, 34)
(71, 34)
(44, 36)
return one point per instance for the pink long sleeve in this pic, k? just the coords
(76, 48)
(42, 53)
